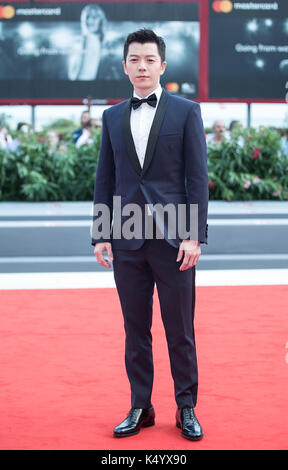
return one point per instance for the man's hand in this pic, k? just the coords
(191, 251)
(100, 249)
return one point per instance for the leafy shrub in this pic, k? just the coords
(33, 173)
(255, 170)
(249, 166)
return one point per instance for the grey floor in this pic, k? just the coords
(55, 237)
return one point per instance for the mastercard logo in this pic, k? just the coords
(7, 12)
(222, 6)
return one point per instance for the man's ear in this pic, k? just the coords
(124, 66)
(163, 67)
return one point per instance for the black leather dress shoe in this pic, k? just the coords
(187, 421)
(136, 419)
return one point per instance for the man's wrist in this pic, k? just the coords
(188, 240)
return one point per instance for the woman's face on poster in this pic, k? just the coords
(93, 20)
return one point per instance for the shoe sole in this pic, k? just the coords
(198, 438)
(190, 438)
(133, 433)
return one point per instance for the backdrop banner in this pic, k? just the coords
(248, 50)
(71, 50)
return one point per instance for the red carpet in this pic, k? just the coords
(63, 383)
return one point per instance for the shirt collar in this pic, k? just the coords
(157, 92)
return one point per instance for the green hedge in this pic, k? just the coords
(255, 171)
(35, 174)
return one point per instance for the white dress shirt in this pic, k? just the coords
(85, 138)
(141, 121)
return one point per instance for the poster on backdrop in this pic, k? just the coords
(248, 49)
(62, 50)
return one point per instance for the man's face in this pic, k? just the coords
(143, 66)
(219, 128)
(85, 117)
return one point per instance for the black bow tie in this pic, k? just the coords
(152, 100)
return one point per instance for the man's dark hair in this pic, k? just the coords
(143, 36)
(233, 124)
(88, 124)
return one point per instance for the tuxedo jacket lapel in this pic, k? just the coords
(154, 131)
(131, 151)
(153, 135)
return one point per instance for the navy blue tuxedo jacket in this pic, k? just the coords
(174, 170)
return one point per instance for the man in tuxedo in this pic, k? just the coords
(153, 152)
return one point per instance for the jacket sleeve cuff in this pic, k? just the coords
(204, 237)
(101, 240)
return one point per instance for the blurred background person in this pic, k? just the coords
(52, 140)
(62, 147)
(96, 123)
(55, 142)
(21, 129)
(85, 117)
(218, 133)
(284, 142)
(236, 126)
(5, 139)
(86, 136)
